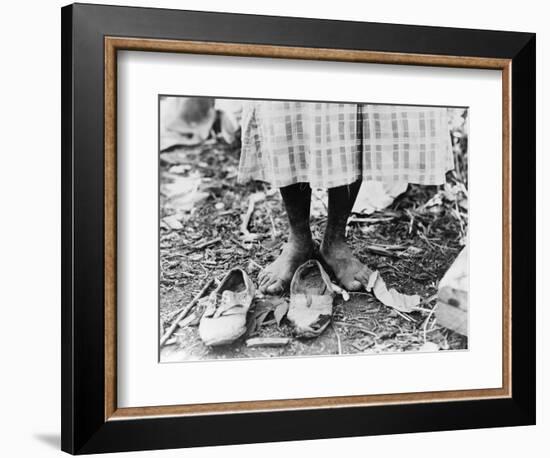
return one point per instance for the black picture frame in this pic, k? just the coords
(84, 427)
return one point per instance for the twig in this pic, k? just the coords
(430, 299)
(226, 212)
(425, 327)
(382, 251)
(337, 338)
(195, 299)
(182, 314)
(256, 264)
(422, 309)
(426, 240)
(462, 231)
(361, 328)
(411, 221)
(274, 233)
(405, 317)
(273, 229)
(425, 301)
(252, 200)
(391, 247)
(372, 220)
(315, 195)
(239, 244)
(267, 342)
(202, 245)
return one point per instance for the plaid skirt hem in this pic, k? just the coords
(413, 178)
(329, 145)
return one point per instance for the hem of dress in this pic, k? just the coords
(243, 179)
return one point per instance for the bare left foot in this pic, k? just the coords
(352, 274)
(276, 278)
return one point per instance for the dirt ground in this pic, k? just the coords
(411, 243)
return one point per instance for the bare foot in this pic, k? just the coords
(276, 278)
(352, 274)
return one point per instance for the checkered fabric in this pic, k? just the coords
(334, 144)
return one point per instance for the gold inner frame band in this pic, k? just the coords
(114, 44)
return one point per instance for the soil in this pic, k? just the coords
(411, 243)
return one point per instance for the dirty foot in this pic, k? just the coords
(352, 274)
(276, 278)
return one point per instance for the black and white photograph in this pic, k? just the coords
(292, 228)
(274, 229)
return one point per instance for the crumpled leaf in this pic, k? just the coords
(376, 195)
(391, 298)
(184, 194)
(185, 185)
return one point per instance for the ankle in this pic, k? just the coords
(302, 242)
(331, 244)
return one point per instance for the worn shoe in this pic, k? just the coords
(311, 297)
(224, 318)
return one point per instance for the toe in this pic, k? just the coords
(366, 272)
(266, 281)
(263, 274)
(353, 285)
(276, 287)
(271, 285)
(265, 278)
(362, 277)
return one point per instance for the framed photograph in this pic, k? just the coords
(283, 228)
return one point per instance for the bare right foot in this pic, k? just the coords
(352, 274)
(276, 278)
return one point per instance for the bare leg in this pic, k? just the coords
(352, 274)
(276, 277)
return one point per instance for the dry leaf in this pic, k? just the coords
(184, 185)
(391, 298)
(180, 168)
(184, 193)
(172, 222)
(280, 312)
(260, 318)
(270, 305)
(429, 347)
(376, 195)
